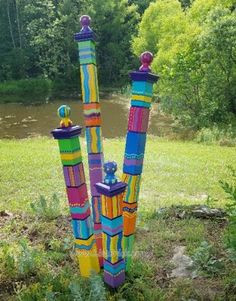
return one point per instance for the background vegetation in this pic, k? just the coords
(193, 43)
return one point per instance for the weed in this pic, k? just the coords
(205, 261)
(47, 209)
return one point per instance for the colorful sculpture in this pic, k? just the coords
(92, 114)
(112, 226)
(142, 91)
(82, 225)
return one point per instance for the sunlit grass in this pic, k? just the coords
(174, 172)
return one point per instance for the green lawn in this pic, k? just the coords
(174, 172)
(36, 249)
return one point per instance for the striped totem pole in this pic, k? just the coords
(142, 91)
(92, 114)
(82, 225)
(112, 226)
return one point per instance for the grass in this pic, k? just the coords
(174, 172)
(37, 251)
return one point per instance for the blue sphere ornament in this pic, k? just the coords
(64, 111)
(110, 168)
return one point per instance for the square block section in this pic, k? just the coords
(94, 140)
(87, 53)
(77, 196)
(92, 114)
(114, 281)
(71, 158)
(112, 226)
(82, 229)
(134, 153)
(95, 171)
(69, 145)
(138, 119)
(138, 103)
(74, 175)
(132, 191)
(112, 247)
(142, 88)
(128, 245)
(129, 217)
(115, 268)
(97, 209)
(80, 212)
(112, 206)
(89, 83)
(86, 256)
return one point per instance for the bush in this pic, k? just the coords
(215, 135)
(25, 90)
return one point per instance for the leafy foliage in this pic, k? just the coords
(230, 189)
(195, 55)
(47, 209)
(205, 261)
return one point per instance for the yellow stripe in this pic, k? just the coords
(104, 240)
(142, 98)
(92, 82)
(114, 251)
(71, 156)
(85, 242)
(114, 206)
(103, 205)
(94, 140)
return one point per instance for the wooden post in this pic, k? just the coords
(71, 158)
(92, 114)
(112, 226)
(142, 91)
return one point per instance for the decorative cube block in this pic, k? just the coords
(82, 229)
(87, 52)
(92, 114)
(89, 83)
(128, 243)
(114, 274)
(79, 212)
(142, 88)
(134, 153)
(138, 119)
(132, 191)
(129, 217)
(94, 141)
(112, 206)
(113, 250)
(77, 196)
(112, 226)
(74, 175)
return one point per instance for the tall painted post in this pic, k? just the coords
(112, 226)
(71, 158)
(92, 114)
(142, 92)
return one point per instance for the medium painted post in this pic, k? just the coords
(71, 158)
(112, 226)
(142, 92)
(92, 115)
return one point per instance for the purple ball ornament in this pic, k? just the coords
(85, 21)
(146, 58)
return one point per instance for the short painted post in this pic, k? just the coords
(112, 226)
(92, 114)
(142, 92)
(71, 158)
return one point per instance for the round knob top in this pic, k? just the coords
(146, 58)
(64, 111)
(110, 168)
(85, 21)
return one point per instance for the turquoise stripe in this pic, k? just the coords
(139, 103)
(142, 88)
(79, 210)
(113, 270)
(88, 138)
(98, 130)
(119, 246)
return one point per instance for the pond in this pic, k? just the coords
(23, 121)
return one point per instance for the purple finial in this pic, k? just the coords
(85, 22)
(146, 59)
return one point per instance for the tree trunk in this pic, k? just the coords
(18, 24)
(10, 24)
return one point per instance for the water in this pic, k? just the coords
(21, 121)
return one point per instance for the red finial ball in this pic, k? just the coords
(85, 22)
(146, 59)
